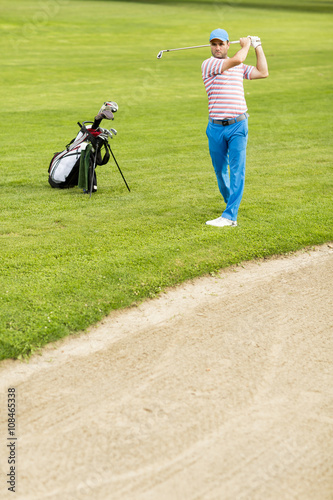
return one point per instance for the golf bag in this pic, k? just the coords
(76, 165)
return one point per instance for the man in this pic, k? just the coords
(227, 128)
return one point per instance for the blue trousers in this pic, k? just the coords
(227, 146)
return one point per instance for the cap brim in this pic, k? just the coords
(217, 38)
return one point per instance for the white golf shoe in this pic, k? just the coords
(221, 222)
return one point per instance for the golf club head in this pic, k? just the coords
(113, 130)
(104, 134)
(109, 106)
(159, 55)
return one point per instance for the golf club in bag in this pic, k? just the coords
(76, 165)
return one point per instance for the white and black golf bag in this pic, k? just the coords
(76, 165)
(65, 166)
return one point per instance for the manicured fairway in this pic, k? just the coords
(67, 260)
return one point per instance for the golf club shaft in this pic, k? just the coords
(159, 55)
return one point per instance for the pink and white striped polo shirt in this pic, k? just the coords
(225, 89)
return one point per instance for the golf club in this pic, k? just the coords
(159, 55)
(105, 133)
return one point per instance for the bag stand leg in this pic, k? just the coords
(92, 176)
(113, 156)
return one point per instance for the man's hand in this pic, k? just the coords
(255, 41)
(245, 42)
(240, 56)
(261, 69)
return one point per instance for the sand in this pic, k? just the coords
(218, 389)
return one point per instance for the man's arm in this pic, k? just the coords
(240, 56)
(261, 69)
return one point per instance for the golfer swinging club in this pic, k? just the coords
(227, 128)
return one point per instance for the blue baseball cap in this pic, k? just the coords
(220, 35)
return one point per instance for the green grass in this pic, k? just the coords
(67, 260)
